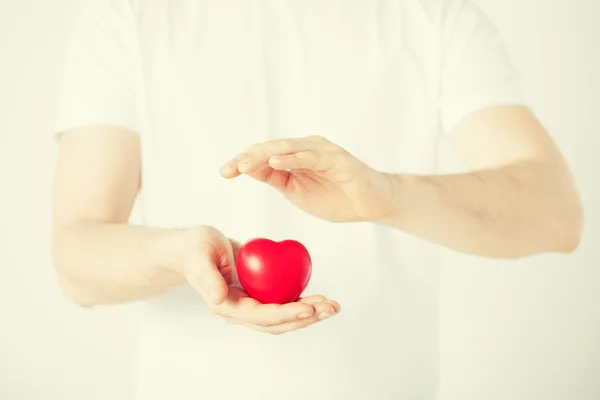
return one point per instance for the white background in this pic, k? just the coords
(511, 330)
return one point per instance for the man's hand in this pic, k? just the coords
(101, 259)
(209, 268)
(518, 200)
(317, 176)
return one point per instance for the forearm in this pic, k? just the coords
(100, 263)
(508, 212)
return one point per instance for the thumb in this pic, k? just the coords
(204, 276)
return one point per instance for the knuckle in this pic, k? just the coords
(318, 138)
(287, 146)
(339, 150)
(245, 154)
(303, 156)
(307, 159)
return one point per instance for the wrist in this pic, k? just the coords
(194, 242)
(170, 248)
(394, 198)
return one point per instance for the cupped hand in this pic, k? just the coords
(317, 176)
(210, 269)
(240, 309)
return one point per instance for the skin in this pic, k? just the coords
(101, 259)
(518, 200)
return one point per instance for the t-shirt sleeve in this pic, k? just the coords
(477, 71)
(100, 84)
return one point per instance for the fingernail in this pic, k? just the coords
(304, 315)
(324, 315)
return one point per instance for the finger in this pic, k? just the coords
(259, 171)
(313, 299)
(283, 146)
(235, 246)
(230, 168)
(251, 166)
(324, 310)
(229, 275)
(336, 306)
(277, 179)
(208, 271)
(323, 307)
(280, 328)
(257, 155)
(243, 163)
(251, 311)
(208, 282)
(275, 314)
(309, 160)
(316, 298)
(234, 280)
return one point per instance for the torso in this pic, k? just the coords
(222, 75)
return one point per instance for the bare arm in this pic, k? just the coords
(99, 258)
(518, 200)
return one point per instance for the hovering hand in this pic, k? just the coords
(210, 270)
(317, 176)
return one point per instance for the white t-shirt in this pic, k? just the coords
(200, 80)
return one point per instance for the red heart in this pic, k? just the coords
(274, 272)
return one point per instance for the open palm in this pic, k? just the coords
(212, 270)
(241, 309)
